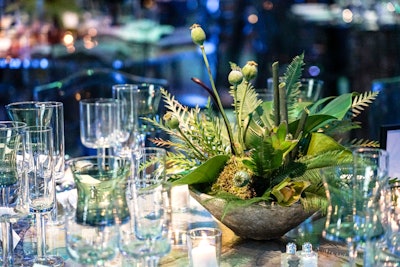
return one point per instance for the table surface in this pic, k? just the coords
(235, 251)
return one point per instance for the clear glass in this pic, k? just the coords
(149, 165)
(149, 199)
(338, 183)
(390, 218)
(128, 137)
(149, 97)
(38, 147)
(99, 123)
(370, 177)
(12, 186)
(48, 113)
(204, 246)
(87, 244)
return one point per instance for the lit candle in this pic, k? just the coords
(204, 254)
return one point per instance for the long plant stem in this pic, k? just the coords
(221, 108)
(199, 154)
(275, 83)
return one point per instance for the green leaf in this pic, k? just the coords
(205, 173)
(339, 106)
(321, 143)
(313, 123)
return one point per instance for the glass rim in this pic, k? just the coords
(13, 124)
(94, 157)
(31, 105)
(98, 101)
(214, 232)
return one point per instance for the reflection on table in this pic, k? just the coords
(235, 251)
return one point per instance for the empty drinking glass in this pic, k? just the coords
(38, 147)
(99, 123)
(12, 186)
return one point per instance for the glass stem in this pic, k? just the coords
(352, 246)
(41, 235)
(7, 244)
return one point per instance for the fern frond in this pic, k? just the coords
(362, 101)
(364, 143)
(328, 158)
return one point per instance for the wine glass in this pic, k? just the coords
(12, 186)
(39, 160)
(100, 207)
(99, 123)
(128, 137)
(48, 113)
(149, 97)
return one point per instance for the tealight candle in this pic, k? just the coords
(204, 247)
(204, 255)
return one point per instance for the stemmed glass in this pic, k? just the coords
(49, 113)
(149, 97)
(99, 123)
(12, 186)
(38, 148)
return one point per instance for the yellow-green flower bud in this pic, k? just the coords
(198, 34)
(235, 77)
(171, 121)
(250, 70)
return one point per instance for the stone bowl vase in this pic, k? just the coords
(258, 221)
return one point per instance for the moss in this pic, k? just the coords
(225, 181)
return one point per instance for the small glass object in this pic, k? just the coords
(309, 257)
(290, 258)
(204, 247)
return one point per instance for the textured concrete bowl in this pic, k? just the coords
(259, 221)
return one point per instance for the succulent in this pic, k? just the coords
(272, 151)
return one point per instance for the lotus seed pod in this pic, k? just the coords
(198, 34)
(250, 70)
(235, 77)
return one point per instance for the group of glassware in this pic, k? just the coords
(364, 208)
(121, 201)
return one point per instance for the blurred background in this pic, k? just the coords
(347, 43)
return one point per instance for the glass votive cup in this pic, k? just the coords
(180, 198)
(204, 247)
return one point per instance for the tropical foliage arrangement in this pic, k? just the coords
(272, 150)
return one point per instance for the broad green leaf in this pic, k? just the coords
(339, 106)
(205, 173)
(320, 143)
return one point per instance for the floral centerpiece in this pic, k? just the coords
(270, 153)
